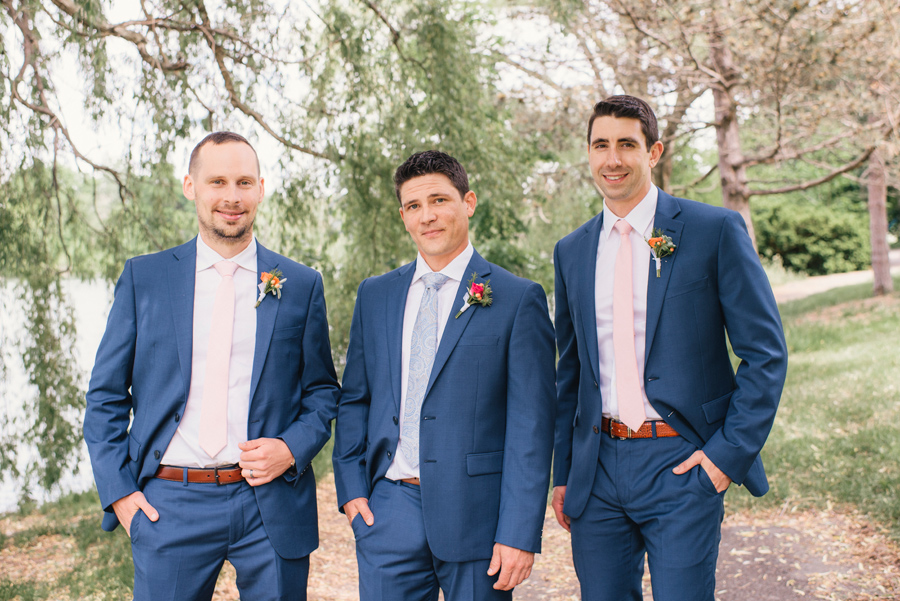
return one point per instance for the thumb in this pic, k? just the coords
(368, 516)
(688, 463)
(249, 445)
(147, 508)
(495, 562)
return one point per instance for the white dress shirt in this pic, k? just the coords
(641, 220)
(184, 449)
(447, 301)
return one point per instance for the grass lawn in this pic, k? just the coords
(836, 438)
(836, 441)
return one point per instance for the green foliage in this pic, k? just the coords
(813, 238)
(836, 438)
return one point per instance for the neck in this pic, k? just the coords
(436, 263)
(226, 247)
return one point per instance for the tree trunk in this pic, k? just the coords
(878, 228)
(735, 192)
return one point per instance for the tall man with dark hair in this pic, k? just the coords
(445, 427)
(653, 423)
(218, 350)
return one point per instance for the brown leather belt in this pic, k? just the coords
(411, 481)
(617, 429)
(227, 474)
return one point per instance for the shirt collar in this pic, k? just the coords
(640, 217)
(207, 257)
(455, 270)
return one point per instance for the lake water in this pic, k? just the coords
(91, 301)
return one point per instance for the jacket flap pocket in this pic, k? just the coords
(689, 287)
(134, 447)
(478, 464)
(716, 409)
(284, 333)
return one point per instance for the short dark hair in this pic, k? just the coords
(216, 138)
(428, 162)
(628, 107)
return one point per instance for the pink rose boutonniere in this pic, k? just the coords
(476, 294)
(660, 247)
(270, 283)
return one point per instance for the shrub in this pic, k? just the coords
(813, 238)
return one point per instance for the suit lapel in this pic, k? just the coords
(266, 313)
(456, 326)
(393, 321)
(182, 274)
(666, 209)
(586, 262)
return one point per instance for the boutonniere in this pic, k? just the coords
(660, 247)
(476, 294)
(270, 282)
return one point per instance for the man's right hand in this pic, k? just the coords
(359, 505)
(127, 507)
(559, 498)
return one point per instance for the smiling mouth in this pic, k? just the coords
(229, 216)
(614, 178)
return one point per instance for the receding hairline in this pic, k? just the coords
(218, 139)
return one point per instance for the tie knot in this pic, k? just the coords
(623, 226)
(226, 269)
(434, 280)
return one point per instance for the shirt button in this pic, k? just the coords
(596, 430)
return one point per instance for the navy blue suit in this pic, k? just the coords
(486, 426)
(712, 284)
(143, 367)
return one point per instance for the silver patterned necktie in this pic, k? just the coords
(422, 349)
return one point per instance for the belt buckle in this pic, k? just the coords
(216, 472)
(613, 436)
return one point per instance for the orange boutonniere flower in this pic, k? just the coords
(661, 246)
(270, 283)
(476, 294)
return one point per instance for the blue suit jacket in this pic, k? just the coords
(143, 367)
(712, 283)
(486, 432)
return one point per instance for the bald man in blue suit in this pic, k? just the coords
(445, 488)
(657, 486)
(186, 507)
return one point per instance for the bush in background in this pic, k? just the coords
(812, 238)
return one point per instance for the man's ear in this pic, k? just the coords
(187, 187)
(471, 200)
(656, 152)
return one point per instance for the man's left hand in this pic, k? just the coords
(264, 459)
(513, 564)
(716, 476)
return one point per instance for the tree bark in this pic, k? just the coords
(733, 174)
(878, 227)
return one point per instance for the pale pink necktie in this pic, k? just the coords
(214, 408)
(628, 386)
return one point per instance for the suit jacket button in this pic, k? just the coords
(596, 430)
(177, 417)
(156, 454)
(396, 421)
(389, 454)
(595, 384)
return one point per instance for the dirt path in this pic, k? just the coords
(770, 556)
(822, 283)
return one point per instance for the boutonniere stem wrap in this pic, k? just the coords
(270, 283)
(476, 294)
(661, 246)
